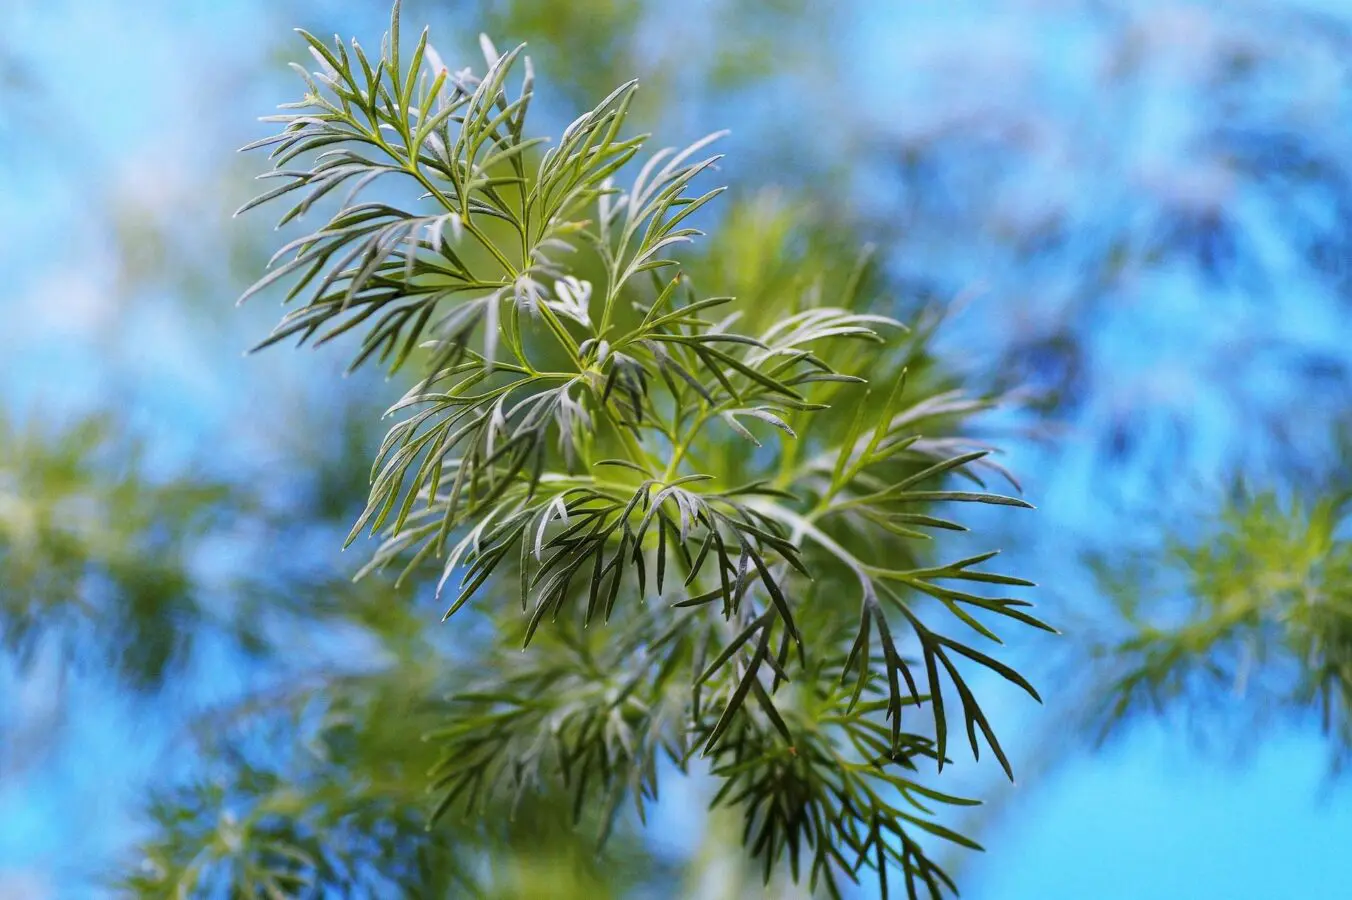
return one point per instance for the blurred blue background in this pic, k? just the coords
(1144, 207)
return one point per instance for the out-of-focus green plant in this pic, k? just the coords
(596, 451)
(591, 45)
(342, 809)
(96, 555)
(1250, 618)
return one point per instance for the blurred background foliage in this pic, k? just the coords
(1134, 214)
(1246, 619)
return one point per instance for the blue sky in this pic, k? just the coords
(143, 103)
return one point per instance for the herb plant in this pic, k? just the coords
(698, 518)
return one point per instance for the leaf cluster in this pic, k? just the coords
(566, 440)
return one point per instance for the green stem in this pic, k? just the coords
(410, 164)
(679, 449)
(482, 238)
(612, 294)
(562, 334)
(706, 413)
(631, 445)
